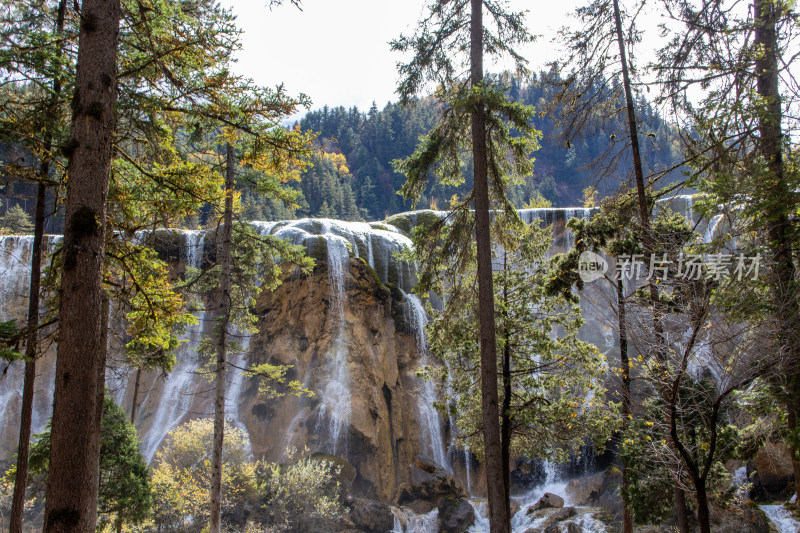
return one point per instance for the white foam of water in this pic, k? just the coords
(15, 265)
(178, 388)
(405, 521)
(15, 273)
(431, 424)
(781, 518)
(711, 229)
(377, 244)
(335, 408)
(521, 522)
(235, 379)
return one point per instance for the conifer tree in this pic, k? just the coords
(743, 155)
(602, 54)
(476, 120)
(551, 383)
(75, 445)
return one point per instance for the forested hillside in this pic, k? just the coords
(352, 176)
(364, 185)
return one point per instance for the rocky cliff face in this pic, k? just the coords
(373, 421)
(350, 330)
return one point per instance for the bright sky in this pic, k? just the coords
(337, 52)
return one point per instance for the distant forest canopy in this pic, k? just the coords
(352, 177)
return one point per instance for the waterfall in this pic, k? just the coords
(557, 218)
(335, 408)
(334, 241)
(429, 417)
(15, 274)
(376, 243)
(405, 521)
(15, 264)
(179, 387)
(781, 518)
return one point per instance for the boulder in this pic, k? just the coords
(742, 518)
(559, 515)
(425, 490)
(598, 490)
(425, 463)
(370, 516)
(773, 465)
(455, 516)
(552, 524)
(548, 500)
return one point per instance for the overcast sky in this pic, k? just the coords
(337, 52)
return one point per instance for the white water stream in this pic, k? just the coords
(179, 387)
(405, 521)
(335, 408)
(430, 421)
(781, 518)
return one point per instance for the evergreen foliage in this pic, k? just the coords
(125, 487)
(552, 380)
(15, 221)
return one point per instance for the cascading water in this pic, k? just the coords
(15, 264)
(335, 408)
(179, 387)
(405, 521)
(781, 518)
(522, 522)
(557, 218)
(15, 252)
(431, 424)
(15, 273)
(378, 245)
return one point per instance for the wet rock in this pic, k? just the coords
(369, 516)
(552, 524)
(548, 500)
(425, 490)
(297, 328)
(745, 518)
(599, 490)
(455, 516)
(773, 465)
(560, 515)
(425, 463)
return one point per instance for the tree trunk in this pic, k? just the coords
(681, 510)
(766, 15)
(31, 353)
(222, 346)
(134, 403)
(702, 505)
(72, 483)
(794, 430)
(498, 505)
(101, 367)
(627, 515)
(505, 413)
(31, 348)
(647, 234)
